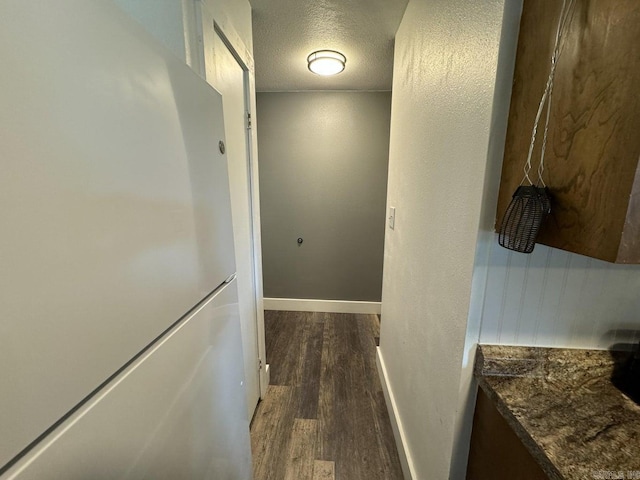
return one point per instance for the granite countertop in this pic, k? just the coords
(564, 407)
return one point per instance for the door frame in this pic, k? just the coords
(221, 26)
(254, 204)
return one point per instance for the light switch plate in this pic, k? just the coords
(392, 217)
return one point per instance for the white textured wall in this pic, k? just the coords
(444, 76)
(500, 117)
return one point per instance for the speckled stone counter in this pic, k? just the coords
(563, 406)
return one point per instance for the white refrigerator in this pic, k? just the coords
(120, 346)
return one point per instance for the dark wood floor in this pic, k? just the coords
(324, 415)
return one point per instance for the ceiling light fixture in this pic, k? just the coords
(326, 62)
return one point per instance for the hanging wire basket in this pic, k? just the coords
(521, 223)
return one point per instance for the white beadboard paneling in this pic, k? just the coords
(496, 276)
(529, 301)
(515, 280)
(559, 299)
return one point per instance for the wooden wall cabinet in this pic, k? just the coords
(593, 149)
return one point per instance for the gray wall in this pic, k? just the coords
(323, 177)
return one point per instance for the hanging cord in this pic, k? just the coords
(564, 15)
(546, 97)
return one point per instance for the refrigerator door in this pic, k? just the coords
(115, 218)
(178, 413)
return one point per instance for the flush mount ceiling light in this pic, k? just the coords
(326, 62)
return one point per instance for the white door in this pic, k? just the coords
(228, 76)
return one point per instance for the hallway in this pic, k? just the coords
(324, 415)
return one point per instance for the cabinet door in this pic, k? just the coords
(496, 452)
(591, 159)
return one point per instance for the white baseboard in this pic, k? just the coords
(312, 305)
(406, 462)
(265, 380)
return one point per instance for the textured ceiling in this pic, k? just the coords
(285, 32)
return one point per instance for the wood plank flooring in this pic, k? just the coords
(324, 416)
